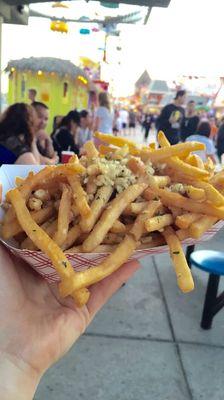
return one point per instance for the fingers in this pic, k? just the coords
(102, 291)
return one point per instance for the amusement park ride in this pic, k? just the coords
(19, 11)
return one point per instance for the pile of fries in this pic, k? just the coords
(115, 200)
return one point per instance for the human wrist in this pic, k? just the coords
(17, 379)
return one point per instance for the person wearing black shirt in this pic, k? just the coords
(64, 137)
(190, 121)
(170, 119)
(147, 124)
(220, 141)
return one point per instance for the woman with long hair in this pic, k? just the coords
(104, 116)
(64, 138)
(17, 130)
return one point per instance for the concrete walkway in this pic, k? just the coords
(146, 344)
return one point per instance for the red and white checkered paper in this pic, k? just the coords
(80, 261)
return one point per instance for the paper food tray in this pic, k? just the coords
(41, 263)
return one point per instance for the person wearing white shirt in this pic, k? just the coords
(124, 116)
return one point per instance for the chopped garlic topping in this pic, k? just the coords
(34, 204)
(42, 194)
(178, 188)
(149, 169)
(113, 173)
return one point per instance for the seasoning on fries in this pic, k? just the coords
(115, 200)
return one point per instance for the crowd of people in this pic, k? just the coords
(182, 124)
(24, 140)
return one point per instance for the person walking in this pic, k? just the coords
(171, 117)
(190, 121)
(104, 117)
(220, 141)
(132, 122)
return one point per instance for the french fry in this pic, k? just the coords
(93, 170)
(183, 273)
(199, 227)
(19, 181)
(73, 234)
(195, 193)
(139, 226)
(209, 166)
(115, 140)
(91, 186)
(113, 262)
(155, 242)
(183, 168)
(217, 179)
(146, 239)
(180, 149)
(113, 238)
(170, 198)
(157, 223)
(90, 150)
(102, 248)
(162, 181)
(118, 227)
(119, 256)
(13, 228)
(179, 165)
(152, 146)
(175, 211)
(211, 193)
(73, 159)
(135, 208)
(79, 196)
(162, 139)
(104, 150)
(136, 166)
(74, 209)
(46, 244)
(49, 227)
(48, 173)
(195, 160)
(183, 234)
(63, 216)
(92, 275)
(111, 214)
(99, 203)
(185, 220)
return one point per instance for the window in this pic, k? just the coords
(65, 89)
